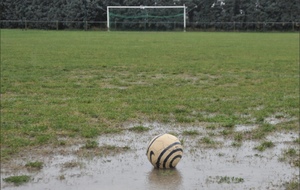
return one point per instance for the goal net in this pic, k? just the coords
(146, 18)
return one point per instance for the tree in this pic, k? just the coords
(248, 14)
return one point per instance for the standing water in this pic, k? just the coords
(201, 167)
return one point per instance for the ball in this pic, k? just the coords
(164, 151)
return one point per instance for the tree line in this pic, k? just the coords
(198, 11)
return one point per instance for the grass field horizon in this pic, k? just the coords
(79, 85)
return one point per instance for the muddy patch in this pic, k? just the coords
(119, 162)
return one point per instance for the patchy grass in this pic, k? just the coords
(292, 185)
(297, 140)
(262, 131)
(236, 144)
(267, 128)
(226, 132)
(62, 177)
(227, 179)
(190, 132)
(224, 179)
(292, 156)
(139, 129)
(264, 145)
(208, 142)
(34, 165)
(182, 141)
(18, 180)
(66, 82)
(211, 127)
(72, 164)
(238, 137)
(103, 150)
(90, 144)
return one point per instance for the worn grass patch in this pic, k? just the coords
(85, 84)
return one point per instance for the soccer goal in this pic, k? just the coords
(146, 18)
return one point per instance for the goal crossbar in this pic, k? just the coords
(147, 7)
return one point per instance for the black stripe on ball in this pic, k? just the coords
(171, 163)
(153, 142)
(164, 151)
(151, 153)
(171, 153)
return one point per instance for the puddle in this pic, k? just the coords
(226, 167)
(245, 128)
(283, 137)
(275, 120)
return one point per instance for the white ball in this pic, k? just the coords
(164, 151)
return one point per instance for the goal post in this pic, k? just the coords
(145, 7)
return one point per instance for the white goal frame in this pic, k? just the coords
(147, 7)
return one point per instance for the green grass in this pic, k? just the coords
(264, 145)
(18, 180)
(208, 142)
(190, 132)
(79, 85)
(292, 156)
(238, 137)
(34, 165)
(90, 144)
(224, 179)
(292, 185)
(227, 179)
(139, 129)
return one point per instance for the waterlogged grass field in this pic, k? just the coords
(63, 87)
